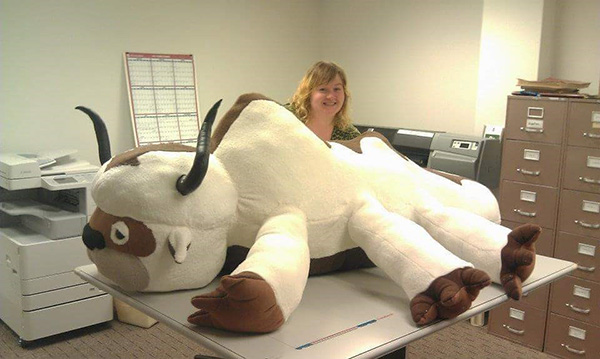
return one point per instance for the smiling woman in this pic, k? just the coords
(321, 102)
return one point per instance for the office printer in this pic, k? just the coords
(58, 207)
(45, 201)
(414, 144)
(51, 170)
(468, 156)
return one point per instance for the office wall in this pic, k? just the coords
(449, 65)
(58, 54)
(511, 44)
(533, 40)
(410, 63)
(548, 39)
(577, 48)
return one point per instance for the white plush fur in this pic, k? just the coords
(203, 261)
(329, 185)
(276, 188)
(200, 220)
(147, 192)
(403, 249)
(281, 257)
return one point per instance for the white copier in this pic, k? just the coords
(44, 204)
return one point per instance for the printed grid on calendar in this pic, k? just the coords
(162, 97)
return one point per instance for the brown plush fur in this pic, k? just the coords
(229, 118)
(449, 295)
(518, 258)
(142, 242)
(235, 303)
(129, 158)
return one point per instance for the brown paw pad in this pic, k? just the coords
(518, 258)
(449, 295)
(242, 303)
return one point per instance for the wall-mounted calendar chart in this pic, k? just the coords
(162, 97)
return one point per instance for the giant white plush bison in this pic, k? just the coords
(270, 203)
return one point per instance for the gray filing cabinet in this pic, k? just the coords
(551, 176)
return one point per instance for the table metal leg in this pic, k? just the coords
(398, 354)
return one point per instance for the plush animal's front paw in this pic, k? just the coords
(243, 303)
(449, 295)
(518, 258)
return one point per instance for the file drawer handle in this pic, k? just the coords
(512, 330)
(574, 351)
(587, 225)
(591, 135)
(589, 180)
(578, 310)
(586, 269)
(532, 130)
(523, 213)
(530, 173)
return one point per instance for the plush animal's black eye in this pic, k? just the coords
(119, 233)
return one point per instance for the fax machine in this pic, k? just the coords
(44, 204)
(468, 156)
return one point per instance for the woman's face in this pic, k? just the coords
(327, 100)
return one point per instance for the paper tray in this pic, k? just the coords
(49, 221)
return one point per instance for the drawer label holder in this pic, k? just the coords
(535, 112)
(531, 155)
(533, 125)
(593, 162)
(576, 332)
(595, 119)
(586, 249)
(581, 292)
(590, 206)
(516, 314)
(528, 196)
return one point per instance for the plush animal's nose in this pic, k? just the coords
(92, 238)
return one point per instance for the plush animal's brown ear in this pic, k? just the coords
(180, 240)
(229, 118)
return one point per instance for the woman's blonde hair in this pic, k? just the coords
(317, 75)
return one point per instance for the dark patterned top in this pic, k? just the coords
(348, 133)
(338, 134)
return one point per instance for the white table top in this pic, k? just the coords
(327, 324)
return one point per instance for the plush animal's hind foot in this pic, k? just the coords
(243, 302)
(449, 295)
(518, 258)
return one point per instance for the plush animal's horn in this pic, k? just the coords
(188, 183)
(101, 134)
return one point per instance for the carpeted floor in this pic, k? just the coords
(118, 340)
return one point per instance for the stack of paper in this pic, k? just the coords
(552, 85)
